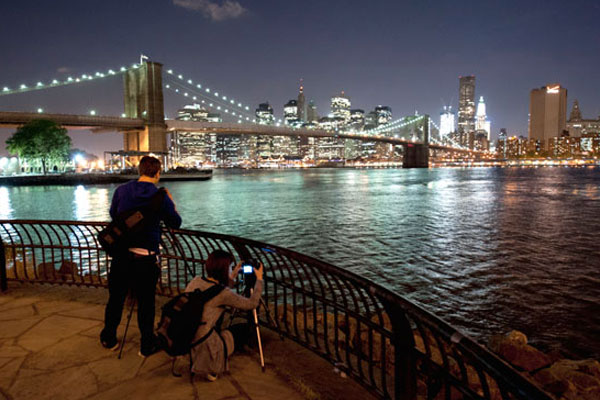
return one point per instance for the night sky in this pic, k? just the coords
(405, 54)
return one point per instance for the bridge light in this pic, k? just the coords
(167, 86)
(207, 90)
(199, 86)
(180, 76)
(5, 89)
(233, 113)
(40, 110)
(39, 84)
(190, 81)
(224, 97)
(55, 82)
(111, 72)
(93, 112)
(123, 69)
(84, 76)
(194, 98)
(240, 105)
(97, 73)
(239, 121)
(176, 90)
(69, 79)
(217, 94)
(123, 115)
(170, 71)
(247, 108)
(247, 119)
(218, 107)
(185, 94)
(23, 86)
(226, 110)
(210, 105)
(232, 102)
(203, 102)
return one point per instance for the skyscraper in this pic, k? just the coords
(446, 121)
(264, 114)
(384, 114)
(482, 124)
(340, 107)
(301, 103)
(311, 112)
(548, 113)
(466, 108)
(290, 112)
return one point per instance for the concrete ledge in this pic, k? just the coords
(49, 348)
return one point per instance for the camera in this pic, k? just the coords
(248, 266)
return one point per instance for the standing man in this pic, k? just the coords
(137, 268)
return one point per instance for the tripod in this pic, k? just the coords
(132, 300)
(248, 290)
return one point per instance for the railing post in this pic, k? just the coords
(405, 374)
(3, 285)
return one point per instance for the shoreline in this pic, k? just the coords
(94, 179)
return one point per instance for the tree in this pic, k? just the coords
(40, 140)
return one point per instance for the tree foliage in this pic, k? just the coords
(40, 140)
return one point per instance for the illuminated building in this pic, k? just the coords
(580, 127)
(357, 119)
(482, 124)
(547, 113)
(446, 121)
(384, 114)
(290, 113)
(192, 112)
(301, 103)
(340, 107)
(371, 120)
(466, 109)
(264, 114)
(193, 148)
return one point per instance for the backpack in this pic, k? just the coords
(181, 316)
(117, 236)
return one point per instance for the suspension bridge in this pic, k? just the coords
(145, 128)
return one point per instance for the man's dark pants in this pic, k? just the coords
(140, 274)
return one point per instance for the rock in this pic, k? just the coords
(66, 271)
(514, 349)
(570, 379)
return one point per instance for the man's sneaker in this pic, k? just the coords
(108, 342)
(146, 351)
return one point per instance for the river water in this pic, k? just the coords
(488, 250)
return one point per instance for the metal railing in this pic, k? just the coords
(391, 346)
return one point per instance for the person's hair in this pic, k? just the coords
(217, 266)
(149, 166)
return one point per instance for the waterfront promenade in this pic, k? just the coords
(49, 349)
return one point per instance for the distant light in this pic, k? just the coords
(180, 76)
(55, 82)
(78, 158)
(217, 94)
(98, 74)
(247, 108)
(207, 90)
(240, 105)
(93, 112)
(111, 72)
(232, 102)
(169, 71)
(76, 79)
(5, 89)
(123, 115)
(168, 86)
(190, 81)
(194, 97)
(23, 86)
(40, 110)
(40, 84)
(185, 94)
(123, 69)
(198, 86)
(224, 97)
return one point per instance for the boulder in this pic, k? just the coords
(513, 348)
(570, 379)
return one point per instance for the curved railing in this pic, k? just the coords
(391, 346)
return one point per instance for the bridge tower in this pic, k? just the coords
(417, 155)
(143, 98)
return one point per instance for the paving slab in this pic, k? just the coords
(50, 349)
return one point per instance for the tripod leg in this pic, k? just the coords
(270, 318)
(127, 326)
(260, 349)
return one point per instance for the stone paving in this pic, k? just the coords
(49, 349)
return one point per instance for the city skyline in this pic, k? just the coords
(386, 63)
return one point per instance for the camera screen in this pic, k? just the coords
(247, 269)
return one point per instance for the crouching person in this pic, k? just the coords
(210, 357)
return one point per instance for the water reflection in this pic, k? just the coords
(5, 206)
